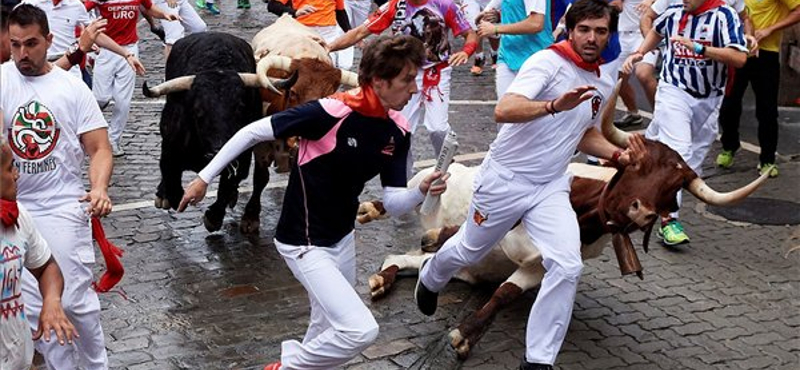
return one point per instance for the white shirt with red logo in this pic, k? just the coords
(540, 150)
(44, 117)
(122, 16)
(21, 247)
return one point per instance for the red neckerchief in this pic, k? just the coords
(363, 100)
(9, 212)
(564, 48)
(704, 7)
(111, 254)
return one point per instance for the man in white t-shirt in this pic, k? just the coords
(22, 247)
(524, 177)
(53, 123)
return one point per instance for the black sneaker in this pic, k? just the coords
(525, 365)
(426, 300)
(629, 120)
(159, 31)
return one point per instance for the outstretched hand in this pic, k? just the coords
(573, 98)
(193, 193)
(635, 152)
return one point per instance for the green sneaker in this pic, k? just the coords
(672, 233)
(771, 167)
(725, 159)
(243, 4)
(201, 4)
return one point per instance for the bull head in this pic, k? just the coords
(284, 63)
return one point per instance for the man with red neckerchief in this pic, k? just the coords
(345, 140)
(524, 176)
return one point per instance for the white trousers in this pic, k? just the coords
(501, 199)
(686, 124)
(190, 23)
(114, 79)
(432, 112)
(341, 326)
(69, 235)
(342, 58)
(503, 78)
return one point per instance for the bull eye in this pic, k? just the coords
(635, 205)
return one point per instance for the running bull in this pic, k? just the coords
(609, 202)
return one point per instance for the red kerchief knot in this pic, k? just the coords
(111, 254)
(704, 7)
(8, 213)
(564, 48)
(363, 100)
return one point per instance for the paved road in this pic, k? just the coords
(730, 300)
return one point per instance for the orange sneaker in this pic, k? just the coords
(476, 70)
(273, 366)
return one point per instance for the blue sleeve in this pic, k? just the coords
(309, 121)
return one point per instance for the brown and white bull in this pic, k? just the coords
(292, 67)
(609, 202)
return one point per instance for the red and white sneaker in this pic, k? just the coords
(273, 366)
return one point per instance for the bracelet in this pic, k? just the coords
(495, 30)
(699, 48)
(470, 48)
(616, 155)
(76, 56)
(553, 107)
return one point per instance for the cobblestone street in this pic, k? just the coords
(194, 300)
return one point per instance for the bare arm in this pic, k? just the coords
(515, 108)
(594, 143)
(349, 39)
(108, 43)
(98, 148)
(790, 19)
(727, 55)
(52, 317)
(461, 57)
(646, 22)
(533, 24)
(650, 42)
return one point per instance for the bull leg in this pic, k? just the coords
(470, 331)
(169, 191)
(251, 220)
(212, 219)
(381, 283)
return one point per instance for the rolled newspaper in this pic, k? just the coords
(442, 163)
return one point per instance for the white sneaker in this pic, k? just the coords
(116, 151)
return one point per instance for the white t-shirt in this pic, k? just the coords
(21, 247)
(540, 150)
(62, 19)
(45, 116)
(630, 17)
(660, 6)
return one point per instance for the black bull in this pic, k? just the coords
(197, 122)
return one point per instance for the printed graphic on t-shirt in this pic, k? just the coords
(430, 28)
(34, 132)
(10, 293)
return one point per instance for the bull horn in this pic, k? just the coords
(182, 83)
(269, 62)
(349, 78)
(250, 79)
(611, 132)
(702, 191)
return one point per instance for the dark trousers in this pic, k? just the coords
(763, 73)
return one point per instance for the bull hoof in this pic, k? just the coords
(161, 203)
(459, 343)
(249, 226)
(211, 224)
(376, 287)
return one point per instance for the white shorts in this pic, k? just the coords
(176, 30)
